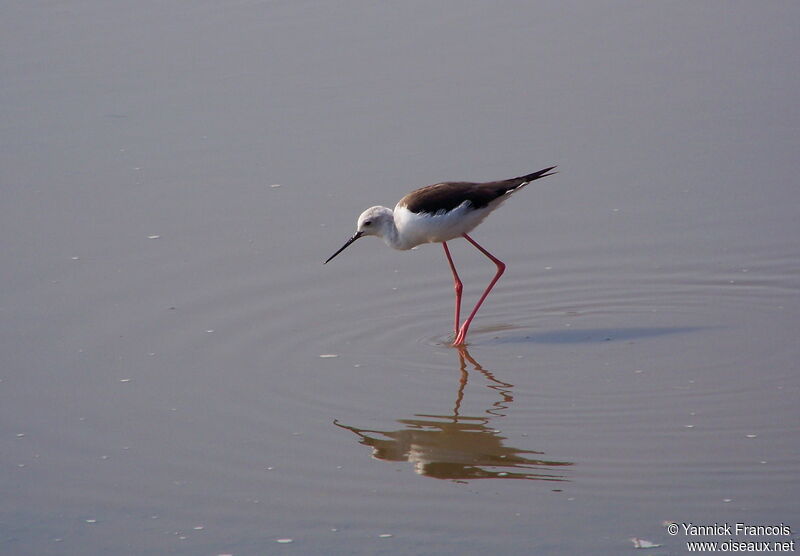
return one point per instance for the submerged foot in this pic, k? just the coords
(461, 337)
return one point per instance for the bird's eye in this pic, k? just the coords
(368, 222)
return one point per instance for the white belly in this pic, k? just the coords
(415, 229)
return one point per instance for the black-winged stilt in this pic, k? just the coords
(436, 214)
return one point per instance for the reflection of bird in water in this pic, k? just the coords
(459, 447)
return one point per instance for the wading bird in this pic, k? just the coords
(436, 214)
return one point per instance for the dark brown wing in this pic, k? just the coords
(448, 195)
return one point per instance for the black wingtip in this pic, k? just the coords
(540, 174)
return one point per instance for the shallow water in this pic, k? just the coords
(181, 375)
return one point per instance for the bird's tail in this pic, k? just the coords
(536, 175)
(507, 187)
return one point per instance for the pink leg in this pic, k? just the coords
(501, 267)
(458, 287)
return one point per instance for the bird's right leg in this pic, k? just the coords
(458, 287)
(461, 335)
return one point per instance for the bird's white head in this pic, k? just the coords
(375, 221)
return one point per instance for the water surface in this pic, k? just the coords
(181, 374)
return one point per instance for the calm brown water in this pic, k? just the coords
(181, 375)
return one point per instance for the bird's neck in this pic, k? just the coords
(390, 233)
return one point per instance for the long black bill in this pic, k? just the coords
(345, 246)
